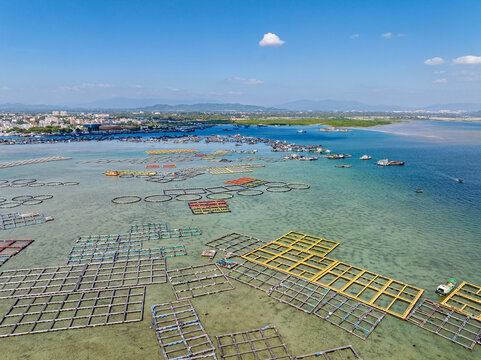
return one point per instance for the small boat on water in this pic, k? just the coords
(460, 180)
(386, 162)
(365, 157)
(445, 289)
(301, 131)
(112, 173)
(344, 166)
(419, 191)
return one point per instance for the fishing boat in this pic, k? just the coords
(344, 166)
(301, 131)
(383, 162)
(445, 289)
(112, 173)
(365, 157)
(460, 180)
(396, 163)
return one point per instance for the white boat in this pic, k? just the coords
(365, 157)
(301, 131)
(383, 162)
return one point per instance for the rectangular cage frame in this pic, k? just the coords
(27, 283)
(236, 243)
(263, 343)
(258, 276)
(341, 352)
(220, 170)
(297, 258)
(198, 280)
(73, 311)
(11, 247)
(447, 322)
(179, 331)
(299, 293)
(116, 255)
(465, 298)
(350, 315)
(148, 227)
(172, 251)
(170, 151)
(224, 189)
(240, 181)
(19, 220)
(209, 207)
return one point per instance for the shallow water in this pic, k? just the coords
(381, 223)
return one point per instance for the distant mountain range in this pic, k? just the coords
(128, 104)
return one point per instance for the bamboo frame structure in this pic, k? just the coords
(33, 161)
(73, 311)
(350, 315)
(447, 322)
(302, 255)
(220, 170)
(208, 207)
(258, 276)
(198, 280)
(172, 251)
(264, 343)
(238, 244)
(15, 220)
(28, 283)
(11, 247)
(180, 332)
(299, 293)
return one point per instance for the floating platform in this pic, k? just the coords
(209, 207)
(264, 343)
(198, 280)
(465, 298)
(447, 322)
(77, 310)
(9, 248)
(350, 315)
(240, 181)
(173, 151)
(28, 283)
(304, 256)
(172, 251)
(16, 220)
(228, 170)
(180, 332)
(235, 243)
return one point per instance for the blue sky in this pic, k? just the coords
(74, 52)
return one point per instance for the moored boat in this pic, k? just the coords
(365, 157)
(445, 289)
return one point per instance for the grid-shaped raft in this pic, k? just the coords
(304, 256)
(446, 322)
(198, 280)
(10, 247)
(28, 283)
(466, 298)
(264, 343)
(208, 207)
(350, 315)
(15, 220)
(228, 170)
(236, 243)
(180, 332)
(73, 311)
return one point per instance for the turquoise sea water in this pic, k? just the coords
(383, 225)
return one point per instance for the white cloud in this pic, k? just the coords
(387, 35)
(271, 40)
(173, 89)
(4, 88)
(354, 36)
(244, 81)
(440, 72)
(467, 60)
(434, 61)
(136, 86)
(234, 93)
(441, 81)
